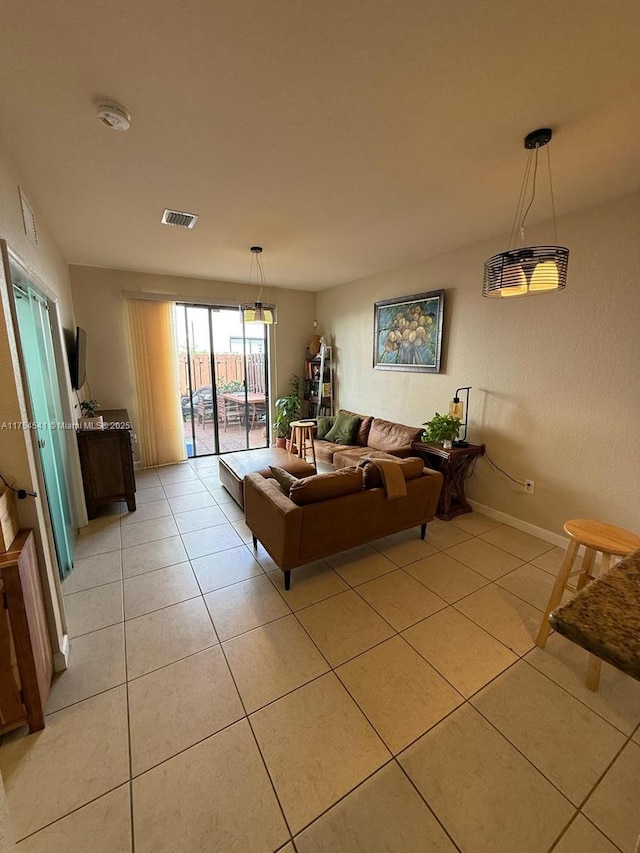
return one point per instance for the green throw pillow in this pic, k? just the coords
(323, 427)
(344, 429)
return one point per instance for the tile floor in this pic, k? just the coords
(392, 702)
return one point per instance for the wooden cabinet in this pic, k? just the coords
(319, 383)
(106, 460)
(26, 663)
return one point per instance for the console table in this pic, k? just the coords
(455, 465)
(107, 462)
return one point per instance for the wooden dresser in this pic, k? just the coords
(106, 460)
(26, 663)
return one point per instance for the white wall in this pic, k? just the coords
(555, 396)
(100, 310)
(48, 268)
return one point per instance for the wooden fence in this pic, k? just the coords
(229, 368)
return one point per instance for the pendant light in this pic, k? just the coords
(528, 270)
(258, 312)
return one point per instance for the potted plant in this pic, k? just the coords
(90, 420)
(287, 410)
(443, 428)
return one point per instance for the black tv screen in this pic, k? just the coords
(78, 360)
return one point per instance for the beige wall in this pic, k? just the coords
(48, 269)
(100, 310)
(555, 396)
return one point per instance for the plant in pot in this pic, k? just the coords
(90, 420)
(442, 428)
(287, 410)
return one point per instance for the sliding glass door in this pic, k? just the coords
(36, 343)
(223, 373)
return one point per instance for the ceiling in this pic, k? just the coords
(346, 137)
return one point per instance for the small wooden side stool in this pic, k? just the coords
(595, 536)
(302, 438)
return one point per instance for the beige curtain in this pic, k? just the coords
(155, 371)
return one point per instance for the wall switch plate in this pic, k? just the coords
(529, 486)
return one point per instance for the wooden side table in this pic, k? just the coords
(455, 465)
(302, 438)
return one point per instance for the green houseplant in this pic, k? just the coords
(287, 410)
(89, 408)
(89, 419)
(442, 428)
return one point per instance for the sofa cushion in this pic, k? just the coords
(345, 457)
(385, 435)
(411, 468)
(323, 426)
(344, 429)
(371, 476)
(284, 478)
(363, 430)
(322, 487)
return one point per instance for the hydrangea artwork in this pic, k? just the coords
(408, 332)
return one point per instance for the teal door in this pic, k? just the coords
(46, 406)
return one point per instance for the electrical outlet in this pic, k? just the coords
(529, 486)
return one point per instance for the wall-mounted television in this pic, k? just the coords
(78, 359)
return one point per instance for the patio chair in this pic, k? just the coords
(229, 413)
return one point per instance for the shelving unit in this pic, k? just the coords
(319, 383)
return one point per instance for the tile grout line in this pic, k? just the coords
(126, 673)
(333, 669)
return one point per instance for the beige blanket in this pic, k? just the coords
(392, 478)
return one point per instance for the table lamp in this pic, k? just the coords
(457, 409)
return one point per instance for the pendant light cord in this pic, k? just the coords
(533, 192)
(522, 213)
(553, 204)
(517, 217)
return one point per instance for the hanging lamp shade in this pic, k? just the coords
(258, 311)
(521, 272)
(528, 270)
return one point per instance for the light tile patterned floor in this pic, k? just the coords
(392, 701)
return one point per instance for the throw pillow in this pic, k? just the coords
(371, 476)
(284, 478)
(323, 487)
(323, 426)
(344, 429)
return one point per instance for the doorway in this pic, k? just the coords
(36, 343)
(223, 370)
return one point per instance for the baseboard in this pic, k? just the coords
(61, 658)
(531, 529)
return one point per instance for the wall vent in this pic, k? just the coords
(179, 218)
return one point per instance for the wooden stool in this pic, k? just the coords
(301, 437)
(595, 536)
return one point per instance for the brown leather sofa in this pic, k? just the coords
(327, 513)
(373, 434)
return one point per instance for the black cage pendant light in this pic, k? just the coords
(259, 311)
(528, 270)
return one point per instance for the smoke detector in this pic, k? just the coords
(114, 116)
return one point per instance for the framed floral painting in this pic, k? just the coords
(407, 332)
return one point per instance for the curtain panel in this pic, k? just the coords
(152, 338)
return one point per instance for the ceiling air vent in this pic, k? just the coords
(179, 218)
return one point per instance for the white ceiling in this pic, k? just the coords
(347, 137)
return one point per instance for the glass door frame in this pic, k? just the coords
(214, 308)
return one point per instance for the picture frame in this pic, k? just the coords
(407, 332)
